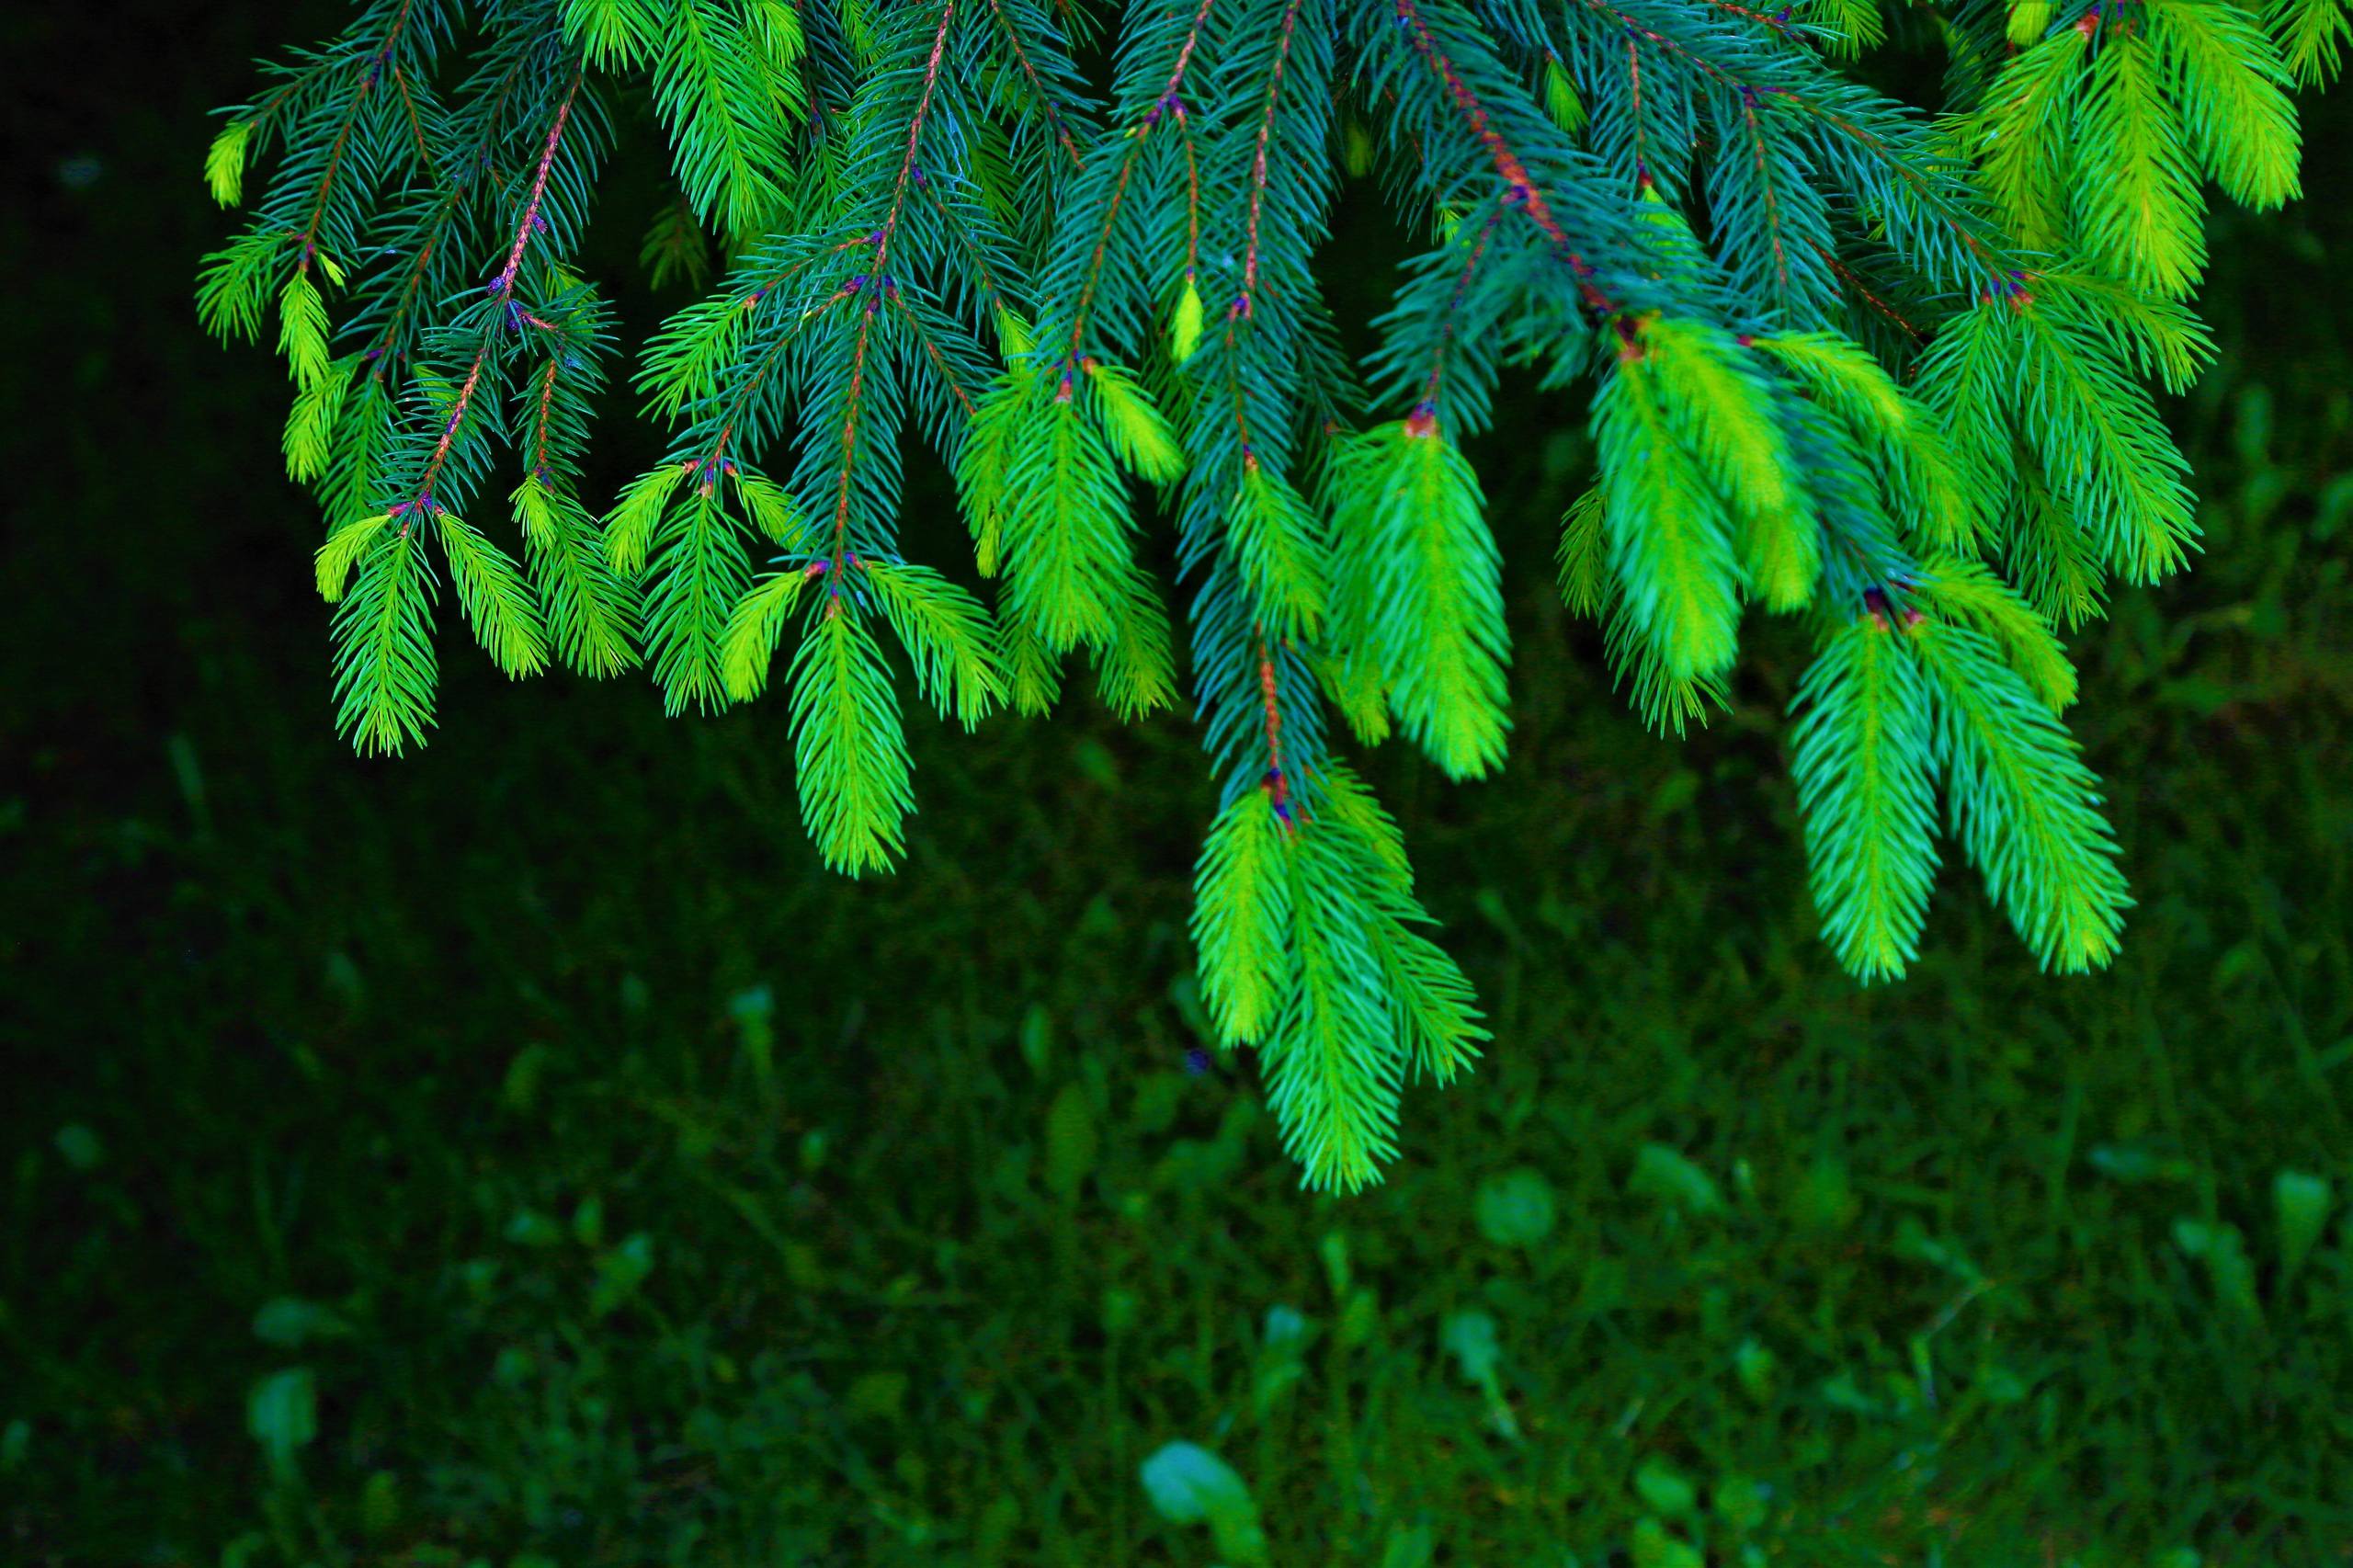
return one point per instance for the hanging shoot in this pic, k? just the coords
(1842, 359)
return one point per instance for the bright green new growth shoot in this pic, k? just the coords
(1843, 361)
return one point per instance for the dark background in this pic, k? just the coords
(608, 1184)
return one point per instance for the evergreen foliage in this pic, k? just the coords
(1882, 371)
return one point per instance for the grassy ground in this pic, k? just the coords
(522, 1155)
(651, 1198)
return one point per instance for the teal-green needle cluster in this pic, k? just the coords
(1842, 361)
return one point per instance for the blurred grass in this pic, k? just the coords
(522, 1154)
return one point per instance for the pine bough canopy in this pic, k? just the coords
(1882, 370)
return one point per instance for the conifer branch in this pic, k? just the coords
(1021, 55)
(339, 149)
(501, 290)
(1840, 362)
(1131, 146)
(1521, 191)
(1284, 33)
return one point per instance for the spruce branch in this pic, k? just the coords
(1842, 361)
